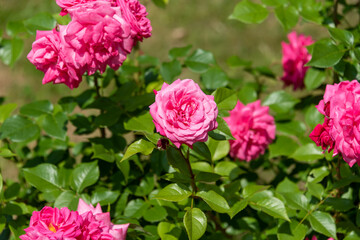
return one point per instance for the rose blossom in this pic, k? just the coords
(320, 135)
(135, 14)
(295, 56)
(99, 36)
(53, 223)
(52, 55)
(65, 4)
(341, 109)
(252, 127)
(183, 113)
(97, 225)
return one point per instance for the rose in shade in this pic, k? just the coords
(52, 55)
(184, 113)
(295, 56)
(53, 223)
(252, 127)
(320, 135)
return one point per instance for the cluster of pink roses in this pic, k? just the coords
(341, 128)
(101, 33)
(84, 224)
(295, 56)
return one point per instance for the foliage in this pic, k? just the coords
(101, 145)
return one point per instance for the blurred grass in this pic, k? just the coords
(202, 24)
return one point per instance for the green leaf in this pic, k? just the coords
(342, 36)
(140, 146)
(179, 52)
(44, 177)
(288, 17)
(247, 94)
(314, 78)
(296, 128)
(280, 101)
(13, 28)
(272, 206)
(6, 110)
(225, 98)
(142, 123)
(308, 153)
(100, 152)
(54, 125)
(235, 61)
(40, 21)
(136, 208)
(170, 70)
(199, 61)
(287, 186)
(207, 177)
(238, 207)
(315, 189)
(323, 223)
(155, 214)
(12, 191)
(174, 192)
(202, 149)
(1, 183)
(161, 3)
(283, 146)
(352, 236)
(104, 197)
(318, 174)
(274, 3)
(195, 223)
(222, 132)
(19, 129)
(339, 204)
(325, 54)
(11, 50)
(84, 175)
(313, 117)
(177, 161)
(228, 169)
(218, 149)
(38, 108)
(252, 189)
(292, 231)
(296, 200)
(214, 200)
(249, 12)
(214, 78)
(67, 199)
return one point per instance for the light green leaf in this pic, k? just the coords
(214, 78)
(251, 189)
(11, 50)
(155, 214)
(318, 174)
(6, 110)
(313, 117)
(325, 54)
(308, 153)
(342, 36)
(228, 169)
(44, 177)
(283, 146)
(67, 199)
(19, 129)
(238, 207)
(170, 70)
(249, 12)
(140, 146)
(179, 52)
(323, 223)
(315, 189)
(247, 94)
(218, 149)
(54, 125)
(296, 200)
(214, 200)
(195, 223)
(280, 101)
(142, 123)
(225, 98)
(174, 192)
(40, 21)
(36, 109)
(314, 78)
(100, 152)
(287, 16)
(199, 61)
(104, 197)
(272, 206)
(84, 175)
(222, 132)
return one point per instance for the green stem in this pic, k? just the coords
(97, 88)
(192, 175)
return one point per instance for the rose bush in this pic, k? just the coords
(158, 156)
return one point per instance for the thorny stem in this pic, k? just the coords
(97, 87)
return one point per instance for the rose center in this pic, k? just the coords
(185, 111)
(52, 228)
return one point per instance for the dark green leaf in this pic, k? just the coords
(339, 204)
(214, 78)
(177, 161)
(84, 175)
(67, 199)
(199, 60)
(142, 123)
(170, 70)
(292, 231)
(40, 21)
(222, 132)
(325, 54)
(100, 152)
(19, 129)
(36, 109)
(202, 149)
(249, 12)
(104, 197)
(53, 125)
(314, 78)
(44, 177)
(342, 36)
(136, 208)
(195, 223)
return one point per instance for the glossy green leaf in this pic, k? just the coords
(342, 36)
(67, 199)
(287, 16)
(225, 98)
(249, 12)
(325, 54)
(170, 70)
(40, 21)
(214, 200)
(218, 149)
(104, 197)
(222, 132)
(272, 206)
(140, 146)
(315, 189)
(280, 101)
(323, 223)
(318, 174)
(36, 109)
(308, 153)
(100, 152)
(214, 78)
(283, 146)
(199, 61)
(287, 186)
(292, 231)
(174, 192)
(19, 129)
(296, 200)
(11, 50)
(168, 231)
(202, 149)
(352, 236)
(53, 125)
(44, 177)
(142, 123)
(155, 214)
(136, 208)
(84, 175)
(177, 161)
(179, 52)
(195, 223)
(238, 207)
(252, 189)
(314, 78)
(228, 169)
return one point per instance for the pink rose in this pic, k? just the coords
(53, 223)
(295, 56)
(320, 135)
(97, 225)
(65, 4)
(53, 56)
(340, 107)
(252, 127)
(135, 14)
(183, 113)
(99, 36)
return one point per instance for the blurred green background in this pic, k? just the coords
(200, 23)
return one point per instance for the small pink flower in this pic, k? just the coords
(253, 128)
(135, 14)
(184, 113)
(53, 223)
(99, 36)
(295, 56)
(52, 55)
(320, 135)
(97, 225)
